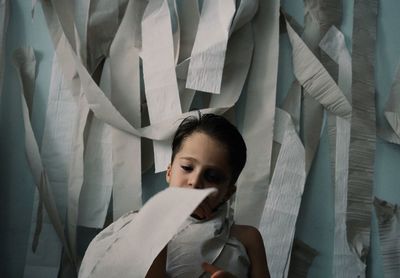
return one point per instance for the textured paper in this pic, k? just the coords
(208, 54)
(189, 16)
(389, 236)
(103, 22)
(314, 78)
(125, 88)
(319, 16)
(130, 250)
(363, 129)
(258, 123)
(24, 61)
(159, 75)
(284, 196)
(392, 112)
(98, 175)
(345, 264)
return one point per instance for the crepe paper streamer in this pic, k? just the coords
(98, 167)
(389, 236)
(185, 95)
(24, 61)
(102, 107)
(103, 22)
(363, 130)
(189, 16)
(159, 74)
(392, 111)
(314, 78)
(129, 251)
(244, 13)
(301, 260)
(345, 264)
(105, 110)
(292, 104)
(258, 123)
(319, 16)
(125, 88)
(284, 196)
(175, 28)
(4, 18)
(208, 53)
(55, 152)
(55, 155)
(99, 104)
(200, 241)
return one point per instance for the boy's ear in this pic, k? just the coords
(168, 173)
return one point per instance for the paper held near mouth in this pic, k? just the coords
(128, 247)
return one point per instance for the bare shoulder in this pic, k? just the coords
(249, 236)
(252, 240)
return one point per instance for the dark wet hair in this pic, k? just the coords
(219, 129)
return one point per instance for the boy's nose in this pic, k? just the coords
(196, 181)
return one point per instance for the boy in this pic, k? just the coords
(210, 152)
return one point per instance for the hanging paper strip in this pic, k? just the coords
(259, 111)
(392, 112)
(159, 75)
(98, 175)
(208, 54)
(315, 79)
(55, 152)
(24, 61)
(125, 88)
(319, 16)
(128, 247)
(345, 264)
(103, 22)
(363, 129)
(189, 15)
(284, 196)
(4, 17)
(389, 236)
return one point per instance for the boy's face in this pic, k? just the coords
(202, 162)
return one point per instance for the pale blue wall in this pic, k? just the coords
(315, 224)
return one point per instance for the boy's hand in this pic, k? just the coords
(216, 272)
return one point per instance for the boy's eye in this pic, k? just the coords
(214, 177)
(186, 168)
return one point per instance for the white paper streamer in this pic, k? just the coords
(189, 15)
(392, 112)
(128, 250)
(389, 236)
(363, 130)
(98, 174)
(315, 79)
(24, 61)
(284, 196)
(208, 54)
(345, 264)
(125, 88)
(159, 75)
(258, 123)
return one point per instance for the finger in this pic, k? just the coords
(209, 268)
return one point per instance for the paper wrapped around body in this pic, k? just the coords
(128, 248)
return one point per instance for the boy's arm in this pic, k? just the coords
(251, 238)
(157, 268)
